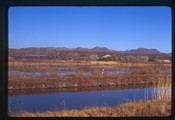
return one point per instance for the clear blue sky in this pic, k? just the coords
(117, 28)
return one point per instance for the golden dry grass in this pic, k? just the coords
(137, 73)
(20, 82)
(70, 62)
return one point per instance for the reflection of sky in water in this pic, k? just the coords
(16, 72)
(87, 73)
(63, 73)
(78, 100)
(112, 71)
(118, 72)
(60, 73)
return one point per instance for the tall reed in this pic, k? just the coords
(162, 91)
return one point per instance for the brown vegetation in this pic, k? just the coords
(52, 82)
(159, 106)
(134, 73)
(138, 67)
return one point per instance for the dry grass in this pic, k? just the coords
(22, 82)
(162, 90)
(136, 73)
(159, 106)
(69, 62)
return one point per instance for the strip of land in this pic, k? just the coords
(15, 92)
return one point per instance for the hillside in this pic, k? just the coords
(96, 53)
(142, 51)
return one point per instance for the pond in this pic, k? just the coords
(59, 100)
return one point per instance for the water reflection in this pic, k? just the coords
(51, 99)
(87, 73)
(60, 73)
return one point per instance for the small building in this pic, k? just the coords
(163, 61)
(106, 58)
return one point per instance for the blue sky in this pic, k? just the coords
(117, 28)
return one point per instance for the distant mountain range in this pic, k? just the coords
(95, 53)
(142, 51)
(138, 51)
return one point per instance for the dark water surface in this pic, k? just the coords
(49, 101)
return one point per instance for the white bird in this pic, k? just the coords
(102, 71)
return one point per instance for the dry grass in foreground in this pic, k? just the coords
(141, 108)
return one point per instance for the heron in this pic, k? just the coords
(102, 71)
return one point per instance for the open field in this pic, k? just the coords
(61, 74)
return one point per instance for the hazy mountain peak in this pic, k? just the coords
(142, 51)
(100, 49)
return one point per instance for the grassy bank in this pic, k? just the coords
(28, 82)
(74, 89)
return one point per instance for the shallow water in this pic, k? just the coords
(61, 73)
(75, 100)
(87, 73)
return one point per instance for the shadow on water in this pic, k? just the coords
(75, 89)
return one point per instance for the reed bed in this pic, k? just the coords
(22, 82)
(55, 73)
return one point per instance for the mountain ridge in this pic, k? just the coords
(138, 51)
